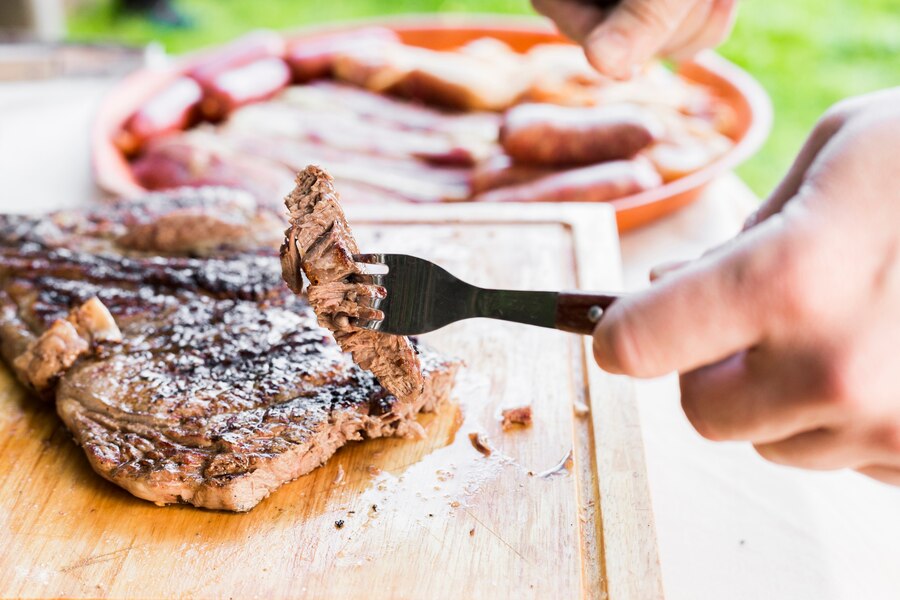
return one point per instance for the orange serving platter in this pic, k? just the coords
(750, 103)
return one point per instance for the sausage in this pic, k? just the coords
(501, 171)
(313, 58)
(247, 49)
(547, 134)
(242, 85)
(173, 108)
(597, 183)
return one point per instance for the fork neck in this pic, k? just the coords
(530, 308)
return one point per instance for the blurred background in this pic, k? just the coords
(807, 53)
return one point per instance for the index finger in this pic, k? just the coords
(573, 18)
(632, 33)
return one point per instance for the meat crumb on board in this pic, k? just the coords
(520, 415)
(339, 478)
(479, 442)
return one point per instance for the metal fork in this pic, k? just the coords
(422, 297)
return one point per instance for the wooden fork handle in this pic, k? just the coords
(579, 312)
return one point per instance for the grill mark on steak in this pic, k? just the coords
(222, 388)
(321, 243)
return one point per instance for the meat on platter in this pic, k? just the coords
(400, 123)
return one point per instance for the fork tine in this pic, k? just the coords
(420, 296)
(373, 324)
(369, 278)
(369, 259)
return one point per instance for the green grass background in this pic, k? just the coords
(806, 53)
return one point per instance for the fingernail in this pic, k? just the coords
(665, 268)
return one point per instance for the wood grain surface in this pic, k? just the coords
(558, 510)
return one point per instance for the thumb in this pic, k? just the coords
(632, 34)
(699, 314)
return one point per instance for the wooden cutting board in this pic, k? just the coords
(559, 510)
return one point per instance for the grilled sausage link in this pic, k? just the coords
(597, 183)
(546, 134)
(500, 171)
(249, 48)
(173, 108)
(242, 85)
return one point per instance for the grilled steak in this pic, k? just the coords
(184, 367)
(320, 242)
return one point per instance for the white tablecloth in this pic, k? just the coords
(730, 525)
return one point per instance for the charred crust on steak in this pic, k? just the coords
(321, 243)
(197, 222)
(222, 388)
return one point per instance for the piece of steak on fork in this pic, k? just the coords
(319, 242)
